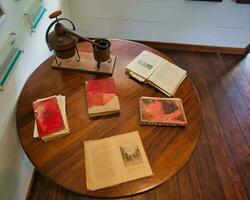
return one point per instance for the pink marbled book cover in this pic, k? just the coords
(162, 111)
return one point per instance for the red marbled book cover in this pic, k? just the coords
(162, 111)
(101, 97)
(100, 91)
(48, 116)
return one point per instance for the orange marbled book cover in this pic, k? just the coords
(162, 111)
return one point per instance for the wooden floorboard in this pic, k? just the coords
(234, 117)
(208, 86)
(220, 165)
(207, 172)
(188, 176)
(169, 190)
(148, 195)
(241, 104)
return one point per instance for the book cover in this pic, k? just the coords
(162, 111)
(115, 160)
(48, 116)
(101, 97)
(62, 106)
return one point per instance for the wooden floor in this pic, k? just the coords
(220, 165)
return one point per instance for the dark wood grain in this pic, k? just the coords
(217, 136)
(222, 123)
(145, 196)
(200, 177)
(61, 161)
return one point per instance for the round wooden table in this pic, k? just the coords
(62, 160)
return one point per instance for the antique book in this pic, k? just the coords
(156, 71)
(162, 111)
(101, 97)
(115, 160)
(50, 118)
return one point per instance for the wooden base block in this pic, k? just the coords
(87, 63)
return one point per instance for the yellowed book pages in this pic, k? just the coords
(143, 65)
(133, 159)
(150, 68)
(112, 106)
(167, 78)
(102, 169)
(137, 77)
(115, 160)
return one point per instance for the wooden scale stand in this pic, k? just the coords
(63, 42)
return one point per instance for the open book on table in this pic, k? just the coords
(158, 72)
(115, 160)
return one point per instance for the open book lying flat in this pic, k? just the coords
(115, 160)
(156, 71)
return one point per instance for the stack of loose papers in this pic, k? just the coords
(50, 118)
(115, 160)
(158, 72)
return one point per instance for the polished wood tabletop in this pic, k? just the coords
(62, 160)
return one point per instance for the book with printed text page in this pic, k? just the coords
(150, 68)
(115, 160)
(162, 111)
(101, 97)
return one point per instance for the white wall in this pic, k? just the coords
(15, 168)
(176, 21)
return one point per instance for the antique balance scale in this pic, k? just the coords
(63, 42)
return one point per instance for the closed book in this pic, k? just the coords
(162, 111)
(101, 97)
(50, 118)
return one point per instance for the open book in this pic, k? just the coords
(158, 72)
(115, 160)
(50, 118)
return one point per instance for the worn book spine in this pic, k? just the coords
(150, 123)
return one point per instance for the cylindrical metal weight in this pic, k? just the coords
(101, 54)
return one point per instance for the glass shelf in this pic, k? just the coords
(34, 15)
(9, 54)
